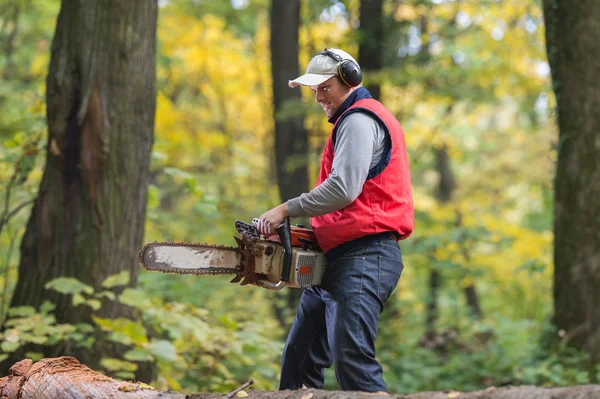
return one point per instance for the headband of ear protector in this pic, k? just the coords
(348, 70)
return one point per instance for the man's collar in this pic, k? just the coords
(356, 95)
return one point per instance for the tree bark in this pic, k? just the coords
(573, 47)
(291, 138)
(88, 219)
(370, 51)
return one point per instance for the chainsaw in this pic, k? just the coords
(290, 258)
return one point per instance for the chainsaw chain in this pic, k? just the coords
(204, 272)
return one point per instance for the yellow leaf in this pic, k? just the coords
(144, 386)
(133, 386)
(128, 387)
(453, 394)
(241, 394)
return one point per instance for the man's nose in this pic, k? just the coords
(318, 97)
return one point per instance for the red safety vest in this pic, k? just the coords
(385, 203)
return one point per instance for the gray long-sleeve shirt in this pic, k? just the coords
(358, 148)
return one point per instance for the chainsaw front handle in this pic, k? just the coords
(271, 286)
(284, 231)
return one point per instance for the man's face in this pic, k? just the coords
(331, 95)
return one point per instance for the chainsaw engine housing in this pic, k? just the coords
(308, 266)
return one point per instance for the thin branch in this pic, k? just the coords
(11, 214)
(10, 42)
(234, 392)
(5, 213)
(4, 300)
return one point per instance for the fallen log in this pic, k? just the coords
(65, 377)
(521, 392)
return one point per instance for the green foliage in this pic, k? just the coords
(469, 77)
(193, 349)
(68, 285)
(120, 279)
(26, 28)
(27, 325)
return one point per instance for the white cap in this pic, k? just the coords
(320, 68)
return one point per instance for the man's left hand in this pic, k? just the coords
(269, 221)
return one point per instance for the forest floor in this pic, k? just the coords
(66, 377)
(524, 392)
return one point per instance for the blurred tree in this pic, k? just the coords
(371, 39)
(88, 219)
(291, 138)
(573, 47)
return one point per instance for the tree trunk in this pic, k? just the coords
(573, 47)
(446, 186)
(291, 138)
(88, 219)
(370, 52)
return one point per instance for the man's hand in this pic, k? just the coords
(268, 222)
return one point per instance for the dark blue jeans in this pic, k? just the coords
(337, 321)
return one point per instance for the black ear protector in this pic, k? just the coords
(348, 70)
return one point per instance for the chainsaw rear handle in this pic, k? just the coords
(285, 235)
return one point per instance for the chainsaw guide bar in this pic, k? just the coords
(292, 258)
(191, 258)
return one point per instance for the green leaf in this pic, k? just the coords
(106, 294)
(113, 364)
(84, 328)
(153, 197)
(77, 337)
(9, 346)
(35, 356)
(127, 330)
(228, 321)
(117, 280)
(3, 357)
(78, 299)
(125, 375)
(27, 165)
(47, 307)
(94, 304)
(159, 155)
(66, 328)
(22, 324)
(134, 298)
(69, 285)
(21, 311)
(533, 266)
(163, 350)
(36, 339)
(138, 355)
(175, 172)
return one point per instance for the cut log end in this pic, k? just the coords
(57, 377)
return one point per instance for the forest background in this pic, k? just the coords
(470, 83)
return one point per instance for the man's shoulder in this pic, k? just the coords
(360, 116)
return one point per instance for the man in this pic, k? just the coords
(361, 206)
